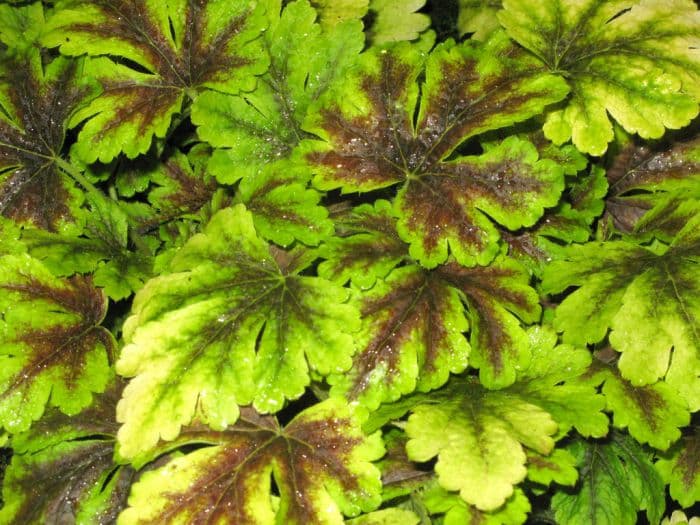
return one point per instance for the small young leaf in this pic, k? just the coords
(52, 348)
(255, 329)
(320, 463)
(633, 60)
(617, 479)
(396, 20)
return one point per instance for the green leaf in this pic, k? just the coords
(635, 61)
(62, 469)
(478, 17)
(478, 437)
(53, 349)
(36, 104)
(617, 479)
(680, 468)
(396, 20)
(255, 329)
(21, 26)
(391, 516)
(320, 463)
(212, 45)
(283, 207)
(649, 301)
(370, 141)
(265, 124)
(559, 467)
(333, 12)
(458, 512)
(365, 246)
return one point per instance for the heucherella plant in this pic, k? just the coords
(353, 262)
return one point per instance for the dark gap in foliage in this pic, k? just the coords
(294, 408)
(466, 149)
(131, 64)
(109, 478)
(443, 15)
(5, 457)
(117, 313)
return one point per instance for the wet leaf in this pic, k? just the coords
(320, 463)
(370, 141)
(255, 329)
(53, 350)
(635, 61)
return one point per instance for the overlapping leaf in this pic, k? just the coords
(649, 300)
(254, 328)
(320, 463)
(635, 61)
(62, 470)
(212, 45)
(36, 105)
(257, 127)
(396, 20)
(617, 479)
(654, 187)
(680, 468)
(52, 348)
(478, 17)
(371, 142)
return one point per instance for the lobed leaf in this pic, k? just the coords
(53, 349)
(636, 62)
(255, 330)
(680, 468)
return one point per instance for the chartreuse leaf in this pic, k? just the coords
(635, 61)
(283, 207)
(396, 20)
(52, 348)
(680, 468)
(36, 104)
(617, 479)
(213, 44)
(264, 124)
(332, 12)
(21, 26)
(655, 187)
(458, 512)
(365, 245)
(559, 467)
(320, 463)
(62, 469)
(254, 329)
(478, 438)
(478, 17)
(102, 250)
(390, 516)
(649, 300)
(370, 141)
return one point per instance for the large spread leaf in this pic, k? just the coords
(36, 104)
(212, 45)
(62, 470)
(649, 300)
(371, 141)
(254, 328)
(680, 468)
(654, 187)
(617, 479)
(320, 463)
(52, 348)
(265, 124)
(635, 61)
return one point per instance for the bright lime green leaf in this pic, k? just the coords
(478, 17)
(396, 20)
(254, 329)
(263, 125)
(365, 247)
(411, 339)
(52, 348)
(458, 512)
(21, 26)
(213, 45)
(680, 468)
(550, 382)
(559, 467)
(478, 437)
(36, 104)
(636, 62)
(391, 516)
(283, 207)
(320, 462)
(370, 140)
(333, 12)
(650, 301)
(617, 479)
(62, 469)
(679, 518)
